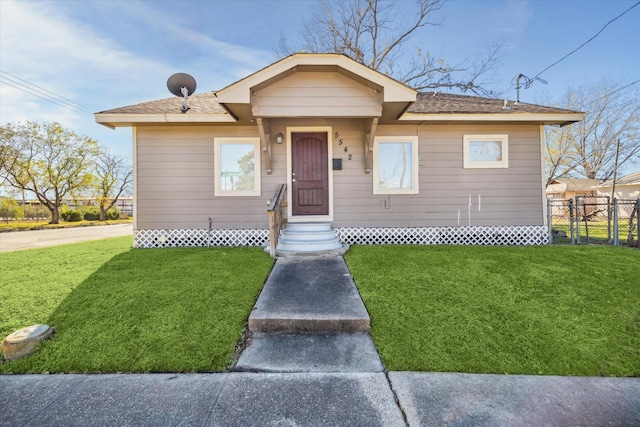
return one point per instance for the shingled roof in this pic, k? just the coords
(445, 103)
(426, 103)
(200, 103)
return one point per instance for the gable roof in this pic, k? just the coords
(573, 184)
(401, 102)
(631, 179)
(392, 90)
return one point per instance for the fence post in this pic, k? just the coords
(609, 218)
(615, 222)
(638, 222)
(549, 225)
(573, 242)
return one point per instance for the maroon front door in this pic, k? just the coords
(310, 176)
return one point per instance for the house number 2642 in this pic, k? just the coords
(341, 143)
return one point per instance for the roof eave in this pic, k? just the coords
(114, 120)
(561, 119)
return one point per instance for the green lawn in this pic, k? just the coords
(117, 309)
(598, 231)
(551, 310)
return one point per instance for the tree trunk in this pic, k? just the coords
(103, 213)
(55, 215)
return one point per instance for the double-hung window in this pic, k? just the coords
(395, 165)
(237, 166)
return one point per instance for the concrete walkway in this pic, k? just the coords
(32, 239)
(315, 377)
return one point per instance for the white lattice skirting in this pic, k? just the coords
(513, 235)
(195, 237)
(475, 235)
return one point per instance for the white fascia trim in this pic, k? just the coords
(125, 120)
(498, 117)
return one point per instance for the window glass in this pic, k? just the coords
(395, 165)
(237, 166)
(237, 169)
(485, 151)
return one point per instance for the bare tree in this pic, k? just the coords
(588, 148)
(372, 33)
(112, 179)
(46, 160)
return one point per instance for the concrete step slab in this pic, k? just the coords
(310, 352)
(309, 295)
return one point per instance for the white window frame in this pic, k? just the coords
(504, 145)
(415, 173)
(219, 191)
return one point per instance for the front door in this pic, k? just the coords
(309, 173)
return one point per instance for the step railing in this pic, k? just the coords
(277, 217)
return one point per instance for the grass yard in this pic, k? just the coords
(550, 310)
(117, 309)
(598, 231)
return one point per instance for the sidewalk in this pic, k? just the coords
(31, 239)
(314, 399)
(329, 374)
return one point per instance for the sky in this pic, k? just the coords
(103, 54)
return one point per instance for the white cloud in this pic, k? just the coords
(82, 57)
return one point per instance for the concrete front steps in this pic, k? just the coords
(308, 239)
(310, 318)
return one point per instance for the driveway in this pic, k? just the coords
(21, 240)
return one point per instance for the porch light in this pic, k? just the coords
(279, 138)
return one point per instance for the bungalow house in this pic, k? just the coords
(627, 187)
(364, 159)
(569, 188)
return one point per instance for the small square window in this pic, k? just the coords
(395, 165)
(237, 166)
(485, 151)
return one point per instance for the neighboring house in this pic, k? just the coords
(569, 188)
(360, 153)
(627, 187)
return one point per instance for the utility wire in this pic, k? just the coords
(53, 101)
(583, 44)
(42, 89)
(529, 81)
(40, 92)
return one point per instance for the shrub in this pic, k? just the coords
(71, 215)
(113, 213)
(91, 214)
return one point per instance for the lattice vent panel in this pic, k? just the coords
(198, 237)
(475, 235)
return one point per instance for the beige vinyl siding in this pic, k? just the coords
(508, 196)
(316, 94)
(175, 178)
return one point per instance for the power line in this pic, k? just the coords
(40, 92)
(583, 44)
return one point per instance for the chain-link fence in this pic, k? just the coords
(594, 220)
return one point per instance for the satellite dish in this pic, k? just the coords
(182, 84)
